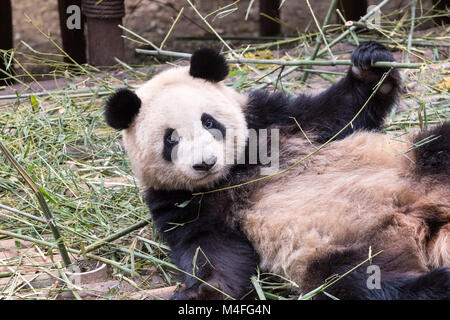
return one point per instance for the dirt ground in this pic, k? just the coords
(152, 20)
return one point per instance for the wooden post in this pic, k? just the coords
(444, 6)
(6, 35)
(353, 9)
(73, 40)
(268, 27)
(104, 36)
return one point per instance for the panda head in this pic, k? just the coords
(184, 128)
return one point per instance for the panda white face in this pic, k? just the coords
(187, 133)
(196, 151)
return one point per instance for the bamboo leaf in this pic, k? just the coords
(46, 195)
(183, 204)
(34, 102)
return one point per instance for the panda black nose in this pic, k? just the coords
(205, 165)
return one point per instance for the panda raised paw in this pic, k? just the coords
(365, 56)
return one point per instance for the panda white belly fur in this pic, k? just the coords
(352, 192)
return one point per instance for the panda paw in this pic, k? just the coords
(366, 54)
(363, 59)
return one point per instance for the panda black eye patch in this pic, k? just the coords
(212, 125)
(171, 140)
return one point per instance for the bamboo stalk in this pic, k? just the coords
(408, 50)
(102, 91)
(335, 279)
(339, 38)
(171, 265)
(171, 28)
(2, 206)
(6, 274)
(378, 64)
(349, 30)
(234, 38)
(116, 236)
(411, 31)
(320, 37)
(357, 24)
(45, 209)
(352, 33)
(258, 288)
(74, 289)
(139, 37)
(22, 213)
(210, 27)
(53, 245)
(248, 9)
(27, 238)
(419, 43)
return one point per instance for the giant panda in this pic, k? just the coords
(343, 191)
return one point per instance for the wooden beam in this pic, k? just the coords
(353, 9)
(6, 34)
(73, 40)
(268, 27)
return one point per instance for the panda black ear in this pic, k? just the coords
(209, 65)
(121, 108)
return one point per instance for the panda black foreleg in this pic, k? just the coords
(221, 260)
(328, 112)
(213, 256)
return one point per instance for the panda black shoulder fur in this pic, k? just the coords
(319, 218)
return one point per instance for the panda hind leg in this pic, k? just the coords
(433, 154)
(377, 281)
(434, 285)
